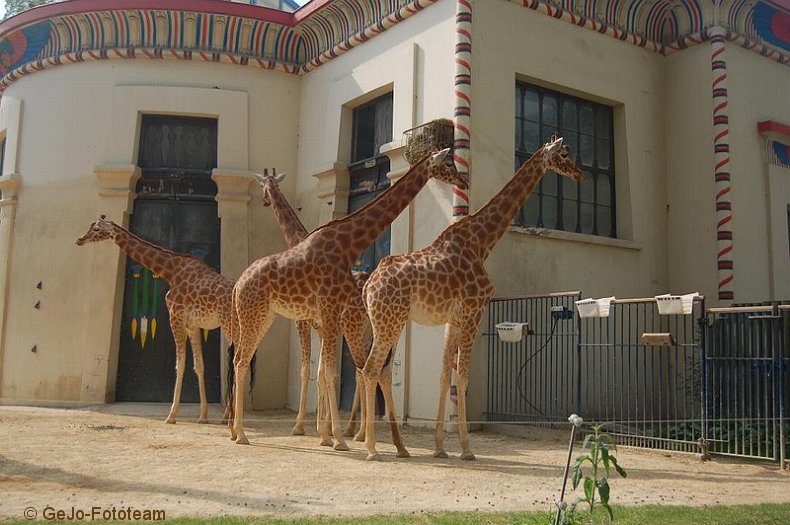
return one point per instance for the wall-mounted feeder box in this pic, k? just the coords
(512, 332)
(669, 304)
(658, 339)
(431, 136)
(594, 307)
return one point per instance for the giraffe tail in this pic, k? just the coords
(230, 383)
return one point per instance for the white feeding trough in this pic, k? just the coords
(594, 307)
(512, 332)
(669, 304)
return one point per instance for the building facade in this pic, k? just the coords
(677, 112)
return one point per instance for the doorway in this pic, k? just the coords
(175, 209)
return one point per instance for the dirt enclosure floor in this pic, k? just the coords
(124, 456)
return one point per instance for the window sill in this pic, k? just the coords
(547, 233)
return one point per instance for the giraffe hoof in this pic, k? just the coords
(203, 420)
(349, 432)
(375, 456)
(340, 445)
(170, 421)
(241, 440)
(360, 436)
(441, 454)
(326, 442)
(468, 456)
(297, 431)
(403, 454)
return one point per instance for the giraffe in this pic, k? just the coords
(354, 319)
(446, 283)
(313, 281)
(199, 298)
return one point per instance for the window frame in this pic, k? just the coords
(551, 192)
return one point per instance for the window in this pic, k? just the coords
(586, 128)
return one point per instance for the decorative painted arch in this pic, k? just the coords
(222, 31)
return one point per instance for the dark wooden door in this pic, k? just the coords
(146, 363)
(176, 209)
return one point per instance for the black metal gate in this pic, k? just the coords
(175, 208)
(746, 376)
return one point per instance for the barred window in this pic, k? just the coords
(558, 202)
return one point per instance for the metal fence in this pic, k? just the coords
(706, 381)
(747, 374)
(536, 379)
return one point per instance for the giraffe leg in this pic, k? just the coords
(352, 420)
(180, 336)
(323, 425)
(250, 336)
(359, 398)
(371, 381)
(385, 380)
(303, 329)
(330, 327)
(464, 356)
(451, 334)
(197, 365)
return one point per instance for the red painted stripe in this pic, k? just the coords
(722, 163)
(724, 252)
(718, 79)
(724, 282)
(196, 6)
(724, 221)
(461, 95)
(717, 52)
(721, 135)
(720, 107)
(767, 126)
(723, 192)
(463, 129)
(464, 32)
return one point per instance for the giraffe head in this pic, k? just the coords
(268, 184)
(101, 230)
(557, 158)
(441, 166)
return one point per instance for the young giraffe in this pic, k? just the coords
(354, 319)
(313, 281)
(446, 283)
(199, 298)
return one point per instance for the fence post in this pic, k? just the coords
(703, 330)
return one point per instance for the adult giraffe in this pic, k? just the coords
(199, 298)
(313, 281)
(353, 320)
(446, 283)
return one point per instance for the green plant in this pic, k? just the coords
(595, 478)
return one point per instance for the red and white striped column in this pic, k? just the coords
(463, 100)
(461, 118)
(721, 148)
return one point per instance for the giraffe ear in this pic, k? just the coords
(259, 177)
(552, 147)
(441, 154)
(279, 178)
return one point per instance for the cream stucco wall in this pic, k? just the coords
(76, 160)
(512, 43)
(757, 91)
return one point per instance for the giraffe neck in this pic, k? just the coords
(355, 232)
(292, 228)
(159, 260)
(485, 227)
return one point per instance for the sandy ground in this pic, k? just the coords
(125, 457)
